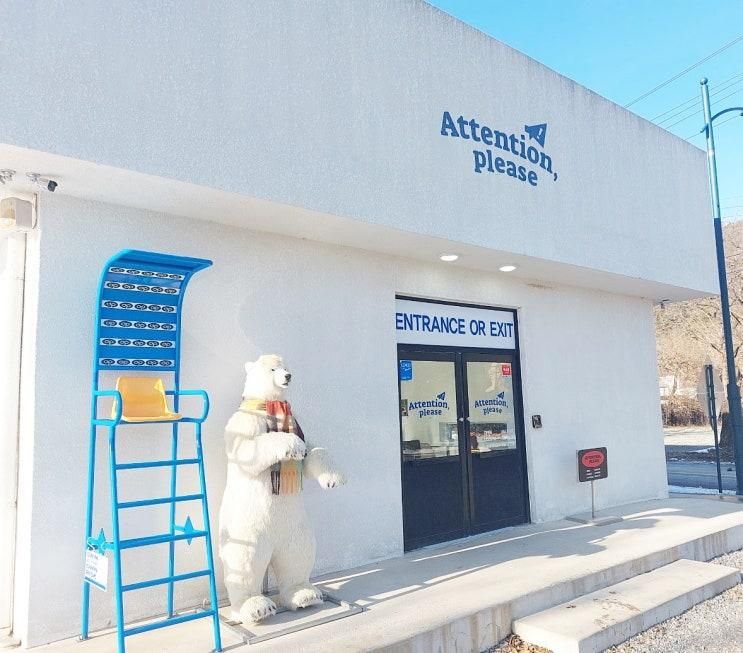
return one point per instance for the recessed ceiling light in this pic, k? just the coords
(449, 257)
(507, 268)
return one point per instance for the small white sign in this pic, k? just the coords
(96, 568)
(426, 323)
(702, 391)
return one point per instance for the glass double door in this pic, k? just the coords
(463, 462)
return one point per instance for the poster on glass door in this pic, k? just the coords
(428, 409)
(491, 410)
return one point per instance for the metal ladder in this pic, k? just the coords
(138, 327)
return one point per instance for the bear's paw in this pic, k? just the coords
(289, 446)
(257, 608)
(329, 480)
(302, 596)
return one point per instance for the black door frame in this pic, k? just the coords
(488, 355)
(457, 354)
(448, 356)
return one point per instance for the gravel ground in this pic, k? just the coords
(514, 644)
(714, 626)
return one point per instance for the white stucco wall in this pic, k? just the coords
(588, 369)
(337, 106)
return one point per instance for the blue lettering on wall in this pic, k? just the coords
(501, 329)
(485, 160)
(422, 323)
(430, 324)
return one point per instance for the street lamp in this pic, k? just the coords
(733, 391)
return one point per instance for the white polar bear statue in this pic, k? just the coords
(260, 523)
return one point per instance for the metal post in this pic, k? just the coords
(709, 375)
(733, 391)
(174, 479)
(593, 504)
(84, 627)
(116, 539)
(85, 618)
(173, 491)
(209, 552)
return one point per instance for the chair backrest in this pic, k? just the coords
(142, 397)
(139, 308)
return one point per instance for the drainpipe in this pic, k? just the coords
(12, 277)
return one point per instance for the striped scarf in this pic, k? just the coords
(286, 476)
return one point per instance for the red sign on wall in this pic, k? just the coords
(593, 458)
(506, 369)
(592, 464)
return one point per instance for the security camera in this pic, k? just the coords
(44, 182)
(6, 176)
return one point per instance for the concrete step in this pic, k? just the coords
(595, 621)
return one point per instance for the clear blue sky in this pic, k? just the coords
(623, 48)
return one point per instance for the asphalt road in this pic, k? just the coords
(686, 473)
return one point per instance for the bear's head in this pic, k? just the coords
(267, 378)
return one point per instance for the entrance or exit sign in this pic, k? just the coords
(592, 464)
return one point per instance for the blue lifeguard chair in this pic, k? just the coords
(138, 333)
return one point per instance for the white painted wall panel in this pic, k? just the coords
(588, 369)
(337, 106)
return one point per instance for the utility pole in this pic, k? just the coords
(733, 391)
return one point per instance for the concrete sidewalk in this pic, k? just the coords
(463, 596)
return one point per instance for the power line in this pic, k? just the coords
(720, 88)
(696, 110)
(686, 70)
(693, 99)
(733, 117)
(678, 122)
(692, 115)
(717, 126)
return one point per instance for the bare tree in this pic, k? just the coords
(690, 333)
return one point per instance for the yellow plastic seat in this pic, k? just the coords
(143, 400)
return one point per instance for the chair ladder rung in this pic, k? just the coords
(159, 539)
(163, 581)
(158, 463)
(154, 502)
(171, 621)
